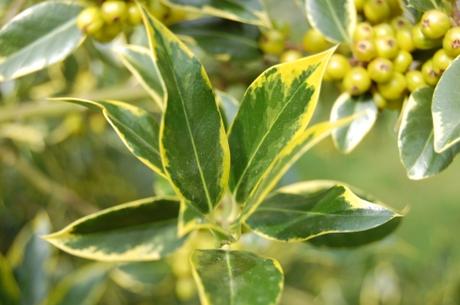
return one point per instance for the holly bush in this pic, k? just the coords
(219, 144)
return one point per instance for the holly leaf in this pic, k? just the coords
(9, 289)
(415, 138)
(236, 278)
(38, 37)
(348, 137)
(141, 230)
(193, 141)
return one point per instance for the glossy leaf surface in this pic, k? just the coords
(349, 136)
(236, 278)
(193, 142)
(137, 231)
(308, 209)
(38, 37)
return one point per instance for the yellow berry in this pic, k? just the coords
(314, 41)
(415, 80)
(337, 67)
(357, 81)
(394, 88)
(402, 61)
(430, 76)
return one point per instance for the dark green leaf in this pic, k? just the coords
(236, 278)
(137, 231)
(39, 36)
(193, 141)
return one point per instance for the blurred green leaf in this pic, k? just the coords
(415, 138)
(349, 136)
(229, 107)
(305, 210)
(141, 230)
(236, 278)
(39, 36)
(193, 141)
(141, 277)
(425, 5)
(9, 289)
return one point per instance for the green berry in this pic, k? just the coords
(400, 23)
(363, 31)
(108, 32)
(415, 80)
(290, 56)
(384, 103)
(395, 7)
(158, 9)
(394, 88)
(272, 42)
(404, 40)
(421, 41)
(337, 67)
(364, 50)
(386, 47)
(359, 5)
(402, 61)
(451, 42)
(114, 11)
(430, 76)
(383, 30)
(441, 60)
(357, 81)
(435, 24)
(314, 41)
(376, 11)
(90, 20)
(134, 14)
(380, 70)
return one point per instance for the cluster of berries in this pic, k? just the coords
(106, 21)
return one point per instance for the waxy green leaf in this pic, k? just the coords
(335, 19)
(236, 278)
(425, 5)
(348, 137)
(193, 141)
(142, 277)
(246, 11)
(9, 289)
(446, 108)
(415, 138)
(275, 109)
(84, 287)
(139, 62)
(38, 37)
(225, 40)
(309, 209)
(137, 128)
(136, 231)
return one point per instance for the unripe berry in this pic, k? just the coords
(359, 5)
(90, 20)
(376, 10)
(384, 103)
(402, 61)
(158, 9)
(114, 11)
(386, 47)
(451, 42)
(395, 7)
(108, 32)
(435, 24)
(175, 15)
(134, 14)
(394, 88)
(337, 67)
(364, 50)
(290, 56)
(430, 76)
(383, 30)
(404, 40)
(400, 23)
(314, 41)
(363, 31)
(357, 81)
(441, 60)
(415, 80)
(421, 41)
(380, 70)
(272, 42)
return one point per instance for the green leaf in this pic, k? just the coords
(141, 230)
(357, 239)
(38, 37)
(84, 287)
(236, 278)
(309, 209)
(139, 62)
(335, 19)
(137, 128)
(226, 40)
(229, 106)
(348, 137)
(193, 141)
(28, 257)
(415, 138)
(446, 108)
(276, 108)
(141, 277)
(9, 289)
(425, 5)
(246, 11)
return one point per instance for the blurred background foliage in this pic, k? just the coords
(58, 162)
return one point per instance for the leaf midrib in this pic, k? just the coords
(230, 277)
(337, 20)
